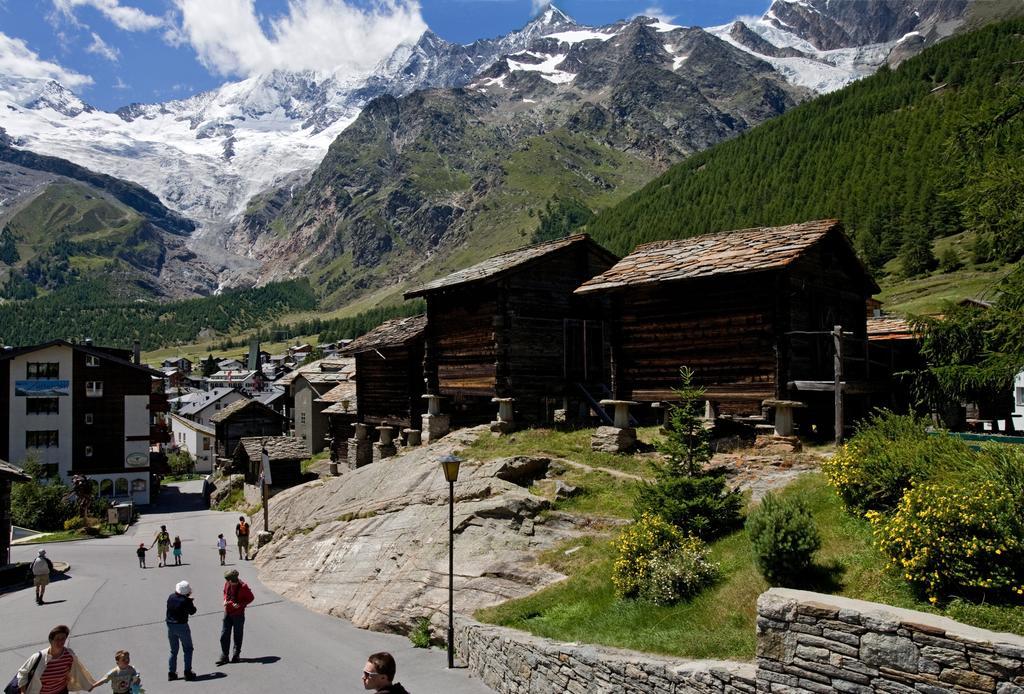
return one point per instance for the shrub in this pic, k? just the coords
(784, 538)
(657, 562)
(680, 574)
(420, 634)
(886, 455)
(701, 505)
(181, 463)
(949, 536)
(74, 523)
(41, 506)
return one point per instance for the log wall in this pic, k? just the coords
(391, 386)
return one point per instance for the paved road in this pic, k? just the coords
(110, 603)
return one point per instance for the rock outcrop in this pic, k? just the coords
(371, 545)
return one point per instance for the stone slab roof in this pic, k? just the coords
(392, 333)
(340, 392)
(334, 369)
(278, 447)
(239, 405)
(730, 252)
(890, 328)
(500, 264)
(192, 424)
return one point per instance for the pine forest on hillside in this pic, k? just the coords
(902, 157)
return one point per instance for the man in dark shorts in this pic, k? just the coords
(242, 533)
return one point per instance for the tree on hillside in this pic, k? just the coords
(209, 366)
(916, 256)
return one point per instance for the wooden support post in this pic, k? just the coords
(837, 340)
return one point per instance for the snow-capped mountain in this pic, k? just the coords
(207, 156)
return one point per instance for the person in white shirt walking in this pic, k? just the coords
(41, 569)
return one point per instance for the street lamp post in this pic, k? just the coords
(450, 466)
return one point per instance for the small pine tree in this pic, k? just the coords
(916, 256)
(209, 366)
(687, 444)
(949, 261)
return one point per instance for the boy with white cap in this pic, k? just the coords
(179, 607)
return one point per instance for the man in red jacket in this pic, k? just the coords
(236, 596)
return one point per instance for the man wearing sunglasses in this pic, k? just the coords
(379, 675)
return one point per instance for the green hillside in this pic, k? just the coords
(70, 231)
(905, 157)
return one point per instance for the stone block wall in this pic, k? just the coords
(809, 642)
(513, 662)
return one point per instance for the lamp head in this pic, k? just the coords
(450, 465)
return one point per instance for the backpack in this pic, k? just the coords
(40, 567)
(12, 686)
(243, 528)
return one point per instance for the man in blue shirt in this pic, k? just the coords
(179, 607)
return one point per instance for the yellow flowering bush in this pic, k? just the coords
(952, 537)
(657, 562)
(886, 455)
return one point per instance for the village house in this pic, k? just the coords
(9, 474)
(195, 439)
(341, 416)
(750, 311)
(244, 418)
(285, 453)
(306, 386)
(205, 404)
(84, 409)
(276, 398)
(183, 364)
(389, 373)
(511, 328)
(248, 382)
(230, 364)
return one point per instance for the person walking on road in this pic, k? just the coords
(237, 595)
(141, 552)
(222, 548)
(176, 550)
(179, 607)
(242, 533)
(163, 544)
(41, 570)
(55, 670)
(122, 677)
(379, 674)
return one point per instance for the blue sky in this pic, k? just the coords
(115, 52)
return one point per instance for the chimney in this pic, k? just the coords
(136, 352)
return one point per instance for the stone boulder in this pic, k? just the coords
(371, 545)
(223, 486)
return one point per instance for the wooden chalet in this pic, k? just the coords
(341, 414)
(389, 373)
(749, 311)
(511, 327)
(244, 418)
(286, 455)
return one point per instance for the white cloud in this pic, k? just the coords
(537, 5)
(102, 48)
(320, 35)
(123, 16)
(120, 83)
(657, 13)
(17, 59)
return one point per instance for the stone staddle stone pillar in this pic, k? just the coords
(411, 437)
(505, 423)
(620, 437)
(359, 451)
(385, 447)
(435, 424)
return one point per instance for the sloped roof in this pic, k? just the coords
(392, 333)
(322, 370)
(339, 408)
(12, 473)
(278, 447)
(340, 392)
(208, 398)
(269, 396)
(192, 424)
(724, 253)
(99, 352)
(500, 264)
(890, 328)
(238, 406)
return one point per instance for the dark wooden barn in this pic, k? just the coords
(245, 418)
(285, 453)
(341, 415)
(511, 327)
(389, 373)
(748, 311)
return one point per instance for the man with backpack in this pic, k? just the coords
(242, 533)
(41, 569)
(237, 595)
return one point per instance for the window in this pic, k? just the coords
(1020, 397)
(42, 439)
(216, 405)
(42, 370)
(42, 406)
(106, 488)
(302, 418)
(94, 389)
(206, 443)
(91, 360)
(88, 417)
(121, 487)
(88, 451)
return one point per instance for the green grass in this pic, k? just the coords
(235, 500)
(720, 622)
(103, 530)
(308, 463)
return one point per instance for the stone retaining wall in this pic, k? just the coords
(809, 642)
(513, 662)
(806, 643)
